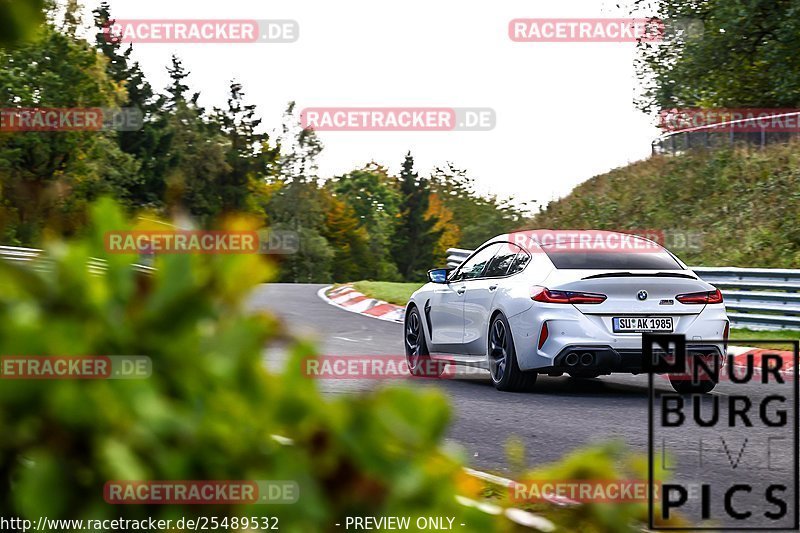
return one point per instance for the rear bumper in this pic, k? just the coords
(606, 360)
(571, 330)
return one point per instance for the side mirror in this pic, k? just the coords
(439, 275)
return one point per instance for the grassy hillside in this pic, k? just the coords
(746, 204)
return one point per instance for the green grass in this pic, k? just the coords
(750, 334)
(395, 293)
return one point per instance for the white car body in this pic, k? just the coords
(457, 315)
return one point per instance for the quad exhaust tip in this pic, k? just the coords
(584, 359)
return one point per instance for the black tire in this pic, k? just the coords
(503, 366)
(418, 357)
(684, 385)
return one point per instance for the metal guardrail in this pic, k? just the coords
(755, 298)
(725, 134)
(41, 262)
(758, 298)
(456, 256)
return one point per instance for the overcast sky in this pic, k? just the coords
(564, 110)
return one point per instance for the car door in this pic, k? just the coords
(480, 294)
(446, 317)
(446, 313)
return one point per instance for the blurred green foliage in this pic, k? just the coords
(602, 463)
(19, 20)
(210, 409)
(745, 204)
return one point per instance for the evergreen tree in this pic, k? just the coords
(300, 203)
(195, 161)
(149, 144)
(176, 89)
(249, 153)
(415, 237)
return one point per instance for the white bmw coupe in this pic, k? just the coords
(555, 302)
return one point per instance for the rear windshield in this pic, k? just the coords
(612, 260)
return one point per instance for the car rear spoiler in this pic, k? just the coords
(641, 275)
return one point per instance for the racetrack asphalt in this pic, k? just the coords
(562, 413)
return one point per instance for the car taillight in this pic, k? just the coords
(710, 297)
(541, 294)
(543, 335)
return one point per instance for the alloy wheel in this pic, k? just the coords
(413, 339)
(498, 350)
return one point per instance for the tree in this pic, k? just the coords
(48, 177)
(177, 89)
(349, 241)
(249, 154)
(449, 231)
(195, 161)
(478, 217)
(299, 203)
(375, 199)
(415, 237)
(371, 192)
(149, 144)
(730, 53)
(187, 161)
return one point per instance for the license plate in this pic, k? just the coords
(638, 324)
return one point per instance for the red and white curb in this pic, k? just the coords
(741, 353)
(349, 299)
